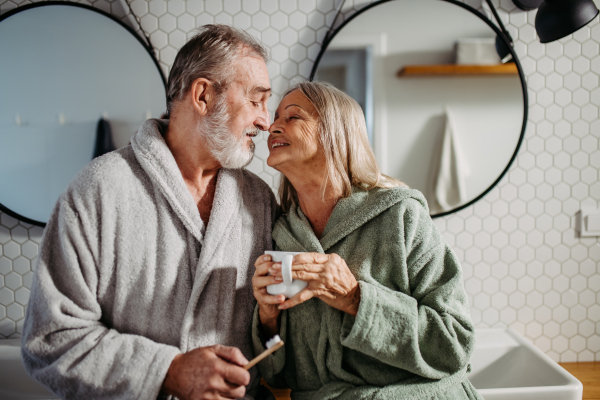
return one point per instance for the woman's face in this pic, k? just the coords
(293, 140)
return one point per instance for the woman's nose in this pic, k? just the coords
(274, 128)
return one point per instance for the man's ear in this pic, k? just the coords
(203, 95)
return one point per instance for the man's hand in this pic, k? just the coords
(213, 372)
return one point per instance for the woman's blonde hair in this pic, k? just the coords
(342, 132)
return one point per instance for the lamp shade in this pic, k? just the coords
(556, 19)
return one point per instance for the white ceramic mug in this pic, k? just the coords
(289, 287)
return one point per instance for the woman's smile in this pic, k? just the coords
(293, 134)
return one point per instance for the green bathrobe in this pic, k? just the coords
(412, 336)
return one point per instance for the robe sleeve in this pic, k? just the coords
(429, 331)
(65, 345)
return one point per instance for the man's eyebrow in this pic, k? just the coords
(290, 105)
(262, 89)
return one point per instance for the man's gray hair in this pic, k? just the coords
(210, 54)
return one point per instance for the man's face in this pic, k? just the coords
(247, 98)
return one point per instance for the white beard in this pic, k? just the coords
(229, 151)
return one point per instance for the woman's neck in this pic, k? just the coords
(316, 207)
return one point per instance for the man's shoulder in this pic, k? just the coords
(110, 172)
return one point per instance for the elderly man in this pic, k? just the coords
(143, 281)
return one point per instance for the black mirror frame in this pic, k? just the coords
(515, 60)
(101, 12)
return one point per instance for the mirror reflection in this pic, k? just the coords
(445, 116)
(69, 67)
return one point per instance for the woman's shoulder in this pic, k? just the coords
(399, 199)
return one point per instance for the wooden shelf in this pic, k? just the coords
(458, 70)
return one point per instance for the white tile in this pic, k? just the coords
(11, 250)
(560, 314)
(176, 7)
(186, 22)
(167, 23)
(279, 20)
(551, 329)
(7, 296)
(15, 312)
(269, 6)
(572, 81)
(7, 327)
(149, 23)
(5, 265)
(572, 49)
(260, 21)
(8, 221)
(22, 296)
(4, 234)
(577, 343)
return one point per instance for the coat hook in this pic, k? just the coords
(61, 119)
(148, 114)
(104, 115)
(18, 120)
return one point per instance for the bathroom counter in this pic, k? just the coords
(587, 372)
(589, 375)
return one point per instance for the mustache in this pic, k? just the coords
(251, 130)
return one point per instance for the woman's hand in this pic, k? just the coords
(329, 279)
(267, 305)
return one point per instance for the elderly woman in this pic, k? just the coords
(385, 314)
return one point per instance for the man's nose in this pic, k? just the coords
(262, 122)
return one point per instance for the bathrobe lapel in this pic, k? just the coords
(154, 156)
(353, 212)
(225, 215)
(295, 233)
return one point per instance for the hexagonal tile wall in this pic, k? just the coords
(524, 265)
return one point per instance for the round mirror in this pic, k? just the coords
(66, 66)
(444, 114)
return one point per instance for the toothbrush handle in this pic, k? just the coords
(262, 355)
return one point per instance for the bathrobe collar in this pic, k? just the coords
(156, 159)
(294, 232)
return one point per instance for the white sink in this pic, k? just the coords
(15, 384)
(505, 366)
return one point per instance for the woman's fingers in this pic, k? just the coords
(311, 258)
(263, 269)
(306, 276)
(299, 298)
(270, 300)
(259, 282)
(262, 259)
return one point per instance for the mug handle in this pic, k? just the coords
(286, 269)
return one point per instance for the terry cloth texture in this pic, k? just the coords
(127, 278)
(412, 337)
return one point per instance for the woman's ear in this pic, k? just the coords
(203, 95)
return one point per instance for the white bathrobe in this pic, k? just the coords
(128, 277)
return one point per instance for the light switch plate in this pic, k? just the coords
(589, 222)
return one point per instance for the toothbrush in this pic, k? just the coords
(273, 345)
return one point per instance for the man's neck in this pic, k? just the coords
(197, 165)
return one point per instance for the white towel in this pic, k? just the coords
(447, 188)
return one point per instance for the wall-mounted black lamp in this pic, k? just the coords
(556, 19)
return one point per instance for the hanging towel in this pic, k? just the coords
(447, 188)
(104, 140)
